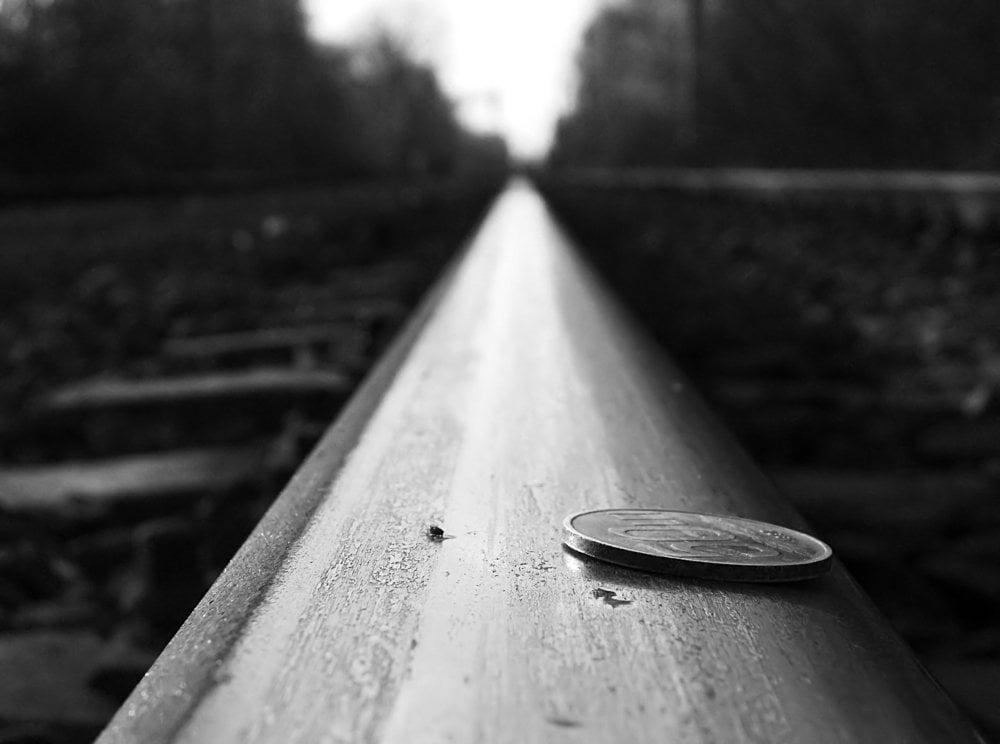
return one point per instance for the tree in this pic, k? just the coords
(802, 83)
(412, 128)
(125, 87)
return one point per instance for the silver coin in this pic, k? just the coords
(704, 546)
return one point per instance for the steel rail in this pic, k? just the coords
(972, 198)
(409, 584)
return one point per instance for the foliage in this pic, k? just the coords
(411, 127)
(793, 83)
(126, 87)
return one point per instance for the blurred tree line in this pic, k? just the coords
(788, 83)
(111, 88)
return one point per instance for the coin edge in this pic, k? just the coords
(595, 548)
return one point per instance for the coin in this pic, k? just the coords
(704, 546)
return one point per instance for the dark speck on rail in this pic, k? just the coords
(435, 534)
(608, 597)
(564, 722)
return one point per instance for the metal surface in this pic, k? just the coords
(794, 181)
(971, 198)
(706, 546)
(520, 393)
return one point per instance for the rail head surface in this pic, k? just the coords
(410, 586)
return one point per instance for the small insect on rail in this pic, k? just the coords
(521, 392)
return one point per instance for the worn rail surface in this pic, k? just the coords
(520, 393)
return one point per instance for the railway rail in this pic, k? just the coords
(409, 583)
(971, 199)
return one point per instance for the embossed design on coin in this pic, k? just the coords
(706, 546)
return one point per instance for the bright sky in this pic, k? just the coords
(507, 63)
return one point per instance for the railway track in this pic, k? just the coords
(518, 389)
(123, 494)
(409, 584)
(969, 199)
